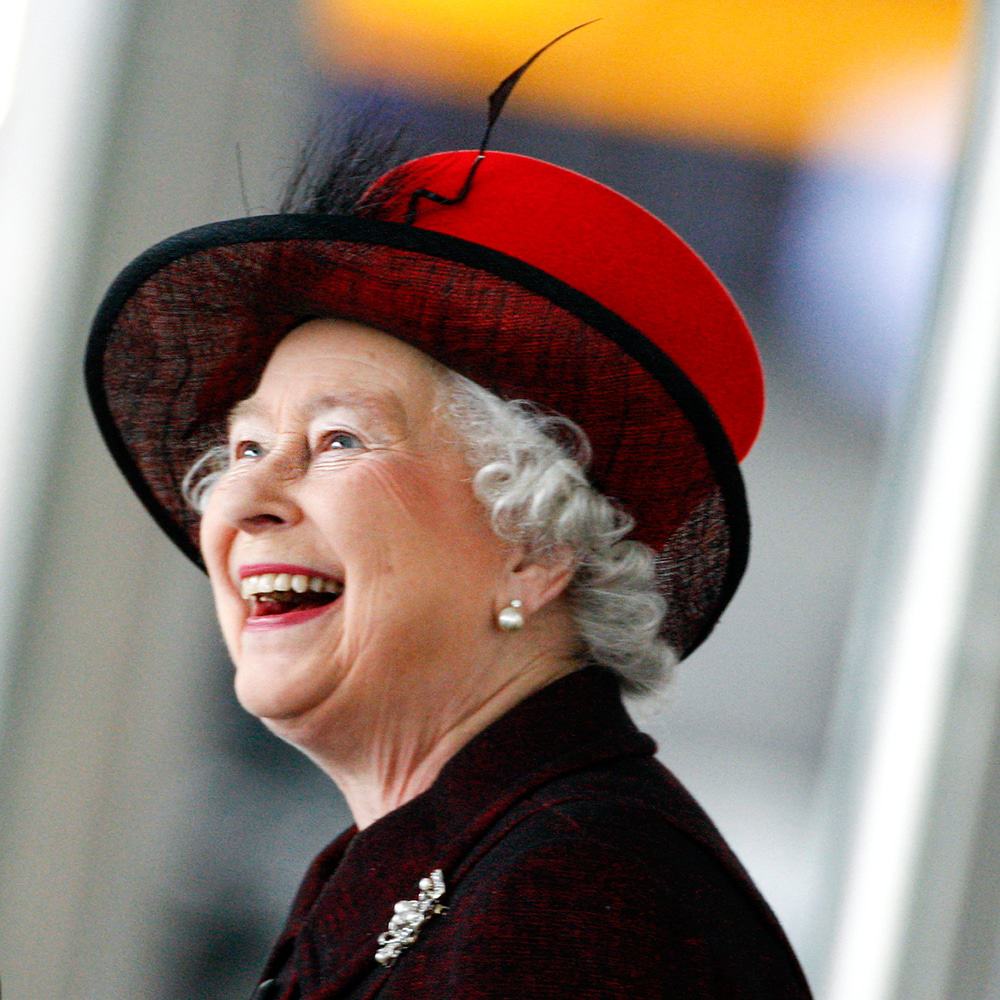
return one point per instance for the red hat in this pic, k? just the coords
(530, 279)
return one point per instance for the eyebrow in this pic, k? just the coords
(384, 407)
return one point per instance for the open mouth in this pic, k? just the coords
(286, 598)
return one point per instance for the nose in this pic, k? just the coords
(258, 497)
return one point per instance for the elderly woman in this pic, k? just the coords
(436, 590)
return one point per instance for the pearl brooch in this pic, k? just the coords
(409, 915)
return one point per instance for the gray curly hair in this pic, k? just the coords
(530, 473)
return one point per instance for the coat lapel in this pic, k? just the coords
(349, 892)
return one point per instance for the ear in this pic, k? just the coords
(538, 582)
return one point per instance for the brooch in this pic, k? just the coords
(409, 916)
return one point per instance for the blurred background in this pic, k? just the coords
(831, 160)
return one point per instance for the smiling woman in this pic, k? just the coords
(423, 583)
(360, 496)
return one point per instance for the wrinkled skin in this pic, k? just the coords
(341, 462)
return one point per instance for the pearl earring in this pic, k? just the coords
(510, 618)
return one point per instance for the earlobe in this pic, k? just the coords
(539, 582)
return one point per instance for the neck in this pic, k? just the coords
(391, 745)
(405, 762)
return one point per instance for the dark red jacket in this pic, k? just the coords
(576, 866)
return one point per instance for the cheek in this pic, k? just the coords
(409, 531)
(211, 534)
(412, 510)
(214, 539)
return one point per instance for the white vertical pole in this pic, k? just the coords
(56, 69)
(929, 532)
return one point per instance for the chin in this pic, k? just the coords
(269, 693)
(255, 697)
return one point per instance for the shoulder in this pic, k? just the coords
(628, 815)
(599, 879)
(639, 858)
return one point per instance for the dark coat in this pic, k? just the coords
(575, 865)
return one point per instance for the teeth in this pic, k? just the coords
(269, 583)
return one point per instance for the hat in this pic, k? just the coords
(530, 279)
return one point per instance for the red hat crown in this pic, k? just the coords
(606, 246)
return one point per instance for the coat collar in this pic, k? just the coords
(348, 894)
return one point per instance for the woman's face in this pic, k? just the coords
(344, 480)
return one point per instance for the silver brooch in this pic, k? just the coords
(410, 915)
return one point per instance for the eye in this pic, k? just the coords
(247, 449)
(340, 441)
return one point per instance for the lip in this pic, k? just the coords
(256, 569)
(266, 623)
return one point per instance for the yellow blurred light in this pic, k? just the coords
(746, 72)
